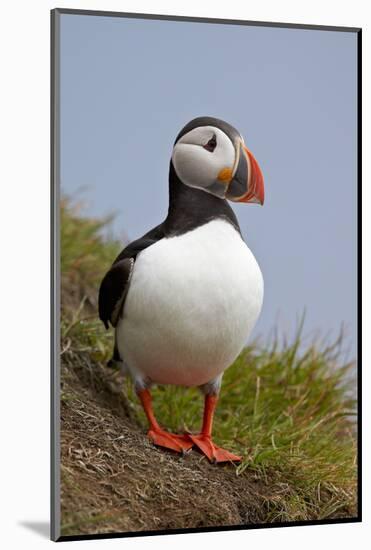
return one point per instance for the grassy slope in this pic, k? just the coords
(288, 413)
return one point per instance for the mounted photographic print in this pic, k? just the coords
(205, 213)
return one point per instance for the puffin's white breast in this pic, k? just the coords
(192, 302)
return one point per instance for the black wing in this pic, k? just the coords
(115, 284)
(113, 290)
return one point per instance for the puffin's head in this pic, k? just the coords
(211, 155)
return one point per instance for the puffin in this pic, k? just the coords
(184, 297)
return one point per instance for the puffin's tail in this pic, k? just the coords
(116, 361)
(117, 365)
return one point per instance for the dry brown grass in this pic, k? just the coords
(114, 479)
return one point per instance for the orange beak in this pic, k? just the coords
(256, 181)
(247, 184)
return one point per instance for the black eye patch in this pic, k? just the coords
(211, 144)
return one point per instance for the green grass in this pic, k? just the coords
(290, 415)
(289, 412)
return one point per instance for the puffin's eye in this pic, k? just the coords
(211, 144)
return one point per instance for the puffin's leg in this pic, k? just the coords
(180, 443)
(203, 440)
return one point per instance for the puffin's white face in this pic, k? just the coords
(205, 158)
(211, 155)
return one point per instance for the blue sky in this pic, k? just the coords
(129, 85)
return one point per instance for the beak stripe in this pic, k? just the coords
(247, 184)
(238, 185)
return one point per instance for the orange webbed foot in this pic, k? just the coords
(162, 438)
(214, 453)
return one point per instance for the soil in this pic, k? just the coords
(113, 479)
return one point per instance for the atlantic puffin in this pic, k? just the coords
(184, 298)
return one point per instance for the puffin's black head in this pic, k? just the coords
(210, 154)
